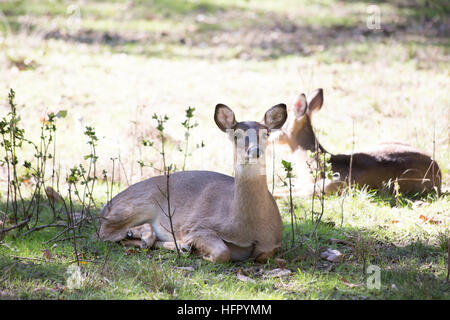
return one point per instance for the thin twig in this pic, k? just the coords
(28, 258)
(51, 225)
(106, 256)
(351, 155)
(70, 238)
(448, 259)
(71, 222)
(273, 167)
(289, 251)
(21, 224)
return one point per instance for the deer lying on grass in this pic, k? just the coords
(221, 217)
(378, 168)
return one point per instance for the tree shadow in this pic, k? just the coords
(408, 270)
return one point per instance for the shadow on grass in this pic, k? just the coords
(410, 271)
(414, 269)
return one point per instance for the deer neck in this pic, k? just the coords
(303, 137)
(251, 196)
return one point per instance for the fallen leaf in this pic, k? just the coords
(47, 254)
(332, 255)
(130, 251)
(339, 241)
(349, 284)
(244, 278)
(278, 273)
(5, 294)
(418, 204)
(186, 268)
(281, 263)
(328, 267)
(429, 220)
(40, 289)
(395, 221)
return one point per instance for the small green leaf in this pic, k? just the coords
(61, 114)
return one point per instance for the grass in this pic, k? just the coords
(408, 252)
(126, 62)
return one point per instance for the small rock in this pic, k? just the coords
(332, 255)
(339, 241)
(243, 278)
(281, 263)
(278, 273)
(186, 268)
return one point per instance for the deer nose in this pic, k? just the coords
(254, 152)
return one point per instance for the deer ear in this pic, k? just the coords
(300, 106)
(224, 117)
(316, 102)
(276, 116)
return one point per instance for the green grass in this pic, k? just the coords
(410, 253)
(126, 62)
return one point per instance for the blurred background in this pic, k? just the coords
(112, 64)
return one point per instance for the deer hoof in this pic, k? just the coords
(185, 248)
(147, 240)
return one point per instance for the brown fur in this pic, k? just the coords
(222, 217)
(376, 168)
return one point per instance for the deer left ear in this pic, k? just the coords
(224, 117)
(276, 116)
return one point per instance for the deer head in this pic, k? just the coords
(250, 137)
(298, 130)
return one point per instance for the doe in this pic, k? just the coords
(222, 218)
(377, 168)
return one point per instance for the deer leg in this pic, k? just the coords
(263, 256)
(169, 245)
(212, 248)
(331, 187)
(131, 243)
(143, 232)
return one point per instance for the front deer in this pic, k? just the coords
(377, 168)
(221, 217)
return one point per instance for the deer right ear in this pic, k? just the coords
(276, 116)
(224, 117)
(316, 101)
(300, 106)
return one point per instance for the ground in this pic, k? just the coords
(113, 64)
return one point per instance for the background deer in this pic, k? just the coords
(377, 168)
(221, 217)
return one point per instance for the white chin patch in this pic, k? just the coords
(250, 170)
